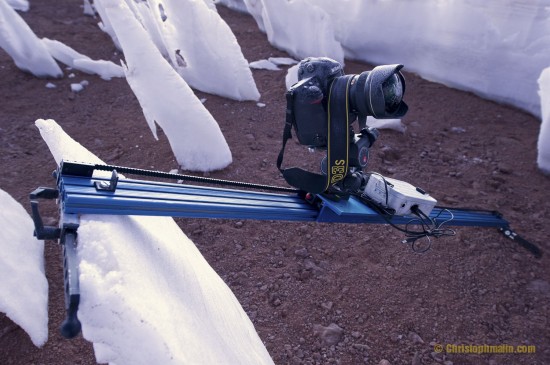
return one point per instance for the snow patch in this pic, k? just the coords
(291, 76)
(144, 282)
(394, 124)
(203, 50)
(300, 27)
(264, 65)
(194, 135)
(282, 61)
(543, 158)
(21, 5)
(23, 287)
(237, 5)
(76, 88)
(87, 8)
(23, 46)
(75, 60)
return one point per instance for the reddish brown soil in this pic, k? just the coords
(474, 288)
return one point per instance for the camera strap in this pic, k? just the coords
(337, 144)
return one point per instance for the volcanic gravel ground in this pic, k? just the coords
(317, 293)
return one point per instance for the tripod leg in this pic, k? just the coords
(71, 326)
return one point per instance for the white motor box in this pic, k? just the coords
(401, 195)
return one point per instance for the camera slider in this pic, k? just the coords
(79, 191)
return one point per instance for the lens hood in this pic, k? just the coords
(377, 104)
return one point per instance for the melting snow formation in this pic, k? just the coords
(543, 159)
(147, 294)
(22, 5)
(495, 48)
(23, 46)
(65, 54)
(199, 44)
(299, 27)
(23, 287)
(203, 49)
(194, 135)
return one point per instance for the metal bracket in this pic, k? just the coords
(534, 249)
(40, 231)
(66, 234)
(69, 224)
(108, 186)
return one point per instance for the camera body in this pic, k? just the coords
(377, 93)
(321, 107)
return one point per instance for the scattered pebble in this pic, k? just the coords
(415, 338)
(261, 105)
(330, 335)
(302, 252)
(51, 85)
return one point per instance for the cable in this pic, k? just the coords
(430, 227)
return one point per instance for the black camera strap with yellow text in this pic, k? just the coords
(337, 144)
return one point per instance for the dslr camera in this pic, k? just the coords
(320, 113)
(321, 108)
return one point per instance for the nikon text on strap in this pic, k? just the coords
(337, 144)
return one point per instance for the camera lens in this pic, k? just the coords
(393, 93)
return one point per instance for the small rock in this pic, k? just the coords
(504, 168)
(416, 360)
(238, 224)
(360, 346)
(328, 305)
(415, 338)
(330, 335)
(539, 286)
(437, 356)
(458, 130)
(384, 362)
(302, 252)
(311, 266)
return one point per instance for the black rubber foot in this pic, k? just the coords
(70, 328)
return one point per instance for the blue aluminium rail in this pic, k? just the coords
(79, 195)
(79, 192)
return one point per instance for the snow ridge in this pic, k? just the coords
(23, 287)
